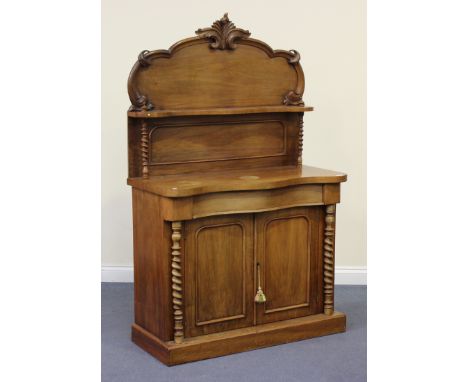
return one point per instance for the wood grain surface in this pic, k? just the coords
(236, 180)
(219, 263)
(223, 208)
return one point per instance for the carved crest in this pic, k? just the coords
(223, 33)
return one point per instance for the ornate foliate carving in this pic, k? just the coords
(293, 99)
(223, 33)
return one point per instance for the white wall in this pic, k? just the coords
(330, 35)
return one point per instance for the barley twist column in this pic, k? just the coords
(301, 138)
(144, 145)
(329, 260)
(176, 266)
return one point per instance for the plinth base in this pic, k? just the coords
(239, 340)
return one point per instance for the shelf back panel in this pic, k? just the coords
(190, 144)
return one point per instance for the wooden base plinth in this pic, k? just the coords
(239, 340)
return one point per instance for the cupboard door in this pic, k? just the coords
(288, 261)
(219, 274)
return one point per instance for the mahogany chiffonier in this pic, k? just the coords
(233, 236)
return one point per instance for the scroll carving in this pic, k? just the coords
(176, 266)
(301, 138)
(144, 146)
(143, 60)
(293, 99)
(295, 57)
(142, 103)
(329, 260)
(223, 33)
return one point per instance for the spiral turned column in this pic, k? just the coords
(301, 138)
(329, 260)
(176, 266)
(144, 146)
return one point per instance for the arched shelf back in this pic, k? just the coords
(220, 68)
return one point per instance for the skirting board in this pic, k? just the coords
(343, 275)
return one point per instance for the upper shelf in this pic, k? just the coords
(219, 111)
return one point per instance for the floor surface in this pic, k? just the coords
(336, 358)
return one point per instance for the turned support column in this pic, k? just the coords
(301, 138)
(177, 295)
(144, 145)
(329, 260)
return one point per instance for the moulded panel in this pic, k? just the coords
(288, 253)
(287, 262)
(220, 273)
(204, 142)
(219, 280)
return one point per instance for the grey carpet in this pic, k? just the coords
(335, 358)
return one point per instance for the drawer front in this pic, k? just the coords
(255, 201)
(219, 279)
(236, 202)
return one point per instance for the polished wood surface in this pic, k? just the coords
(234, 239)
(236, 180)
(219, 263)
(287, 253)
(213, 71)
(177, 283)
(151, 260)
(219, 111)
(329, 259)
(210, 143)
(231, 202)
(256, 201)
(195, 76)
